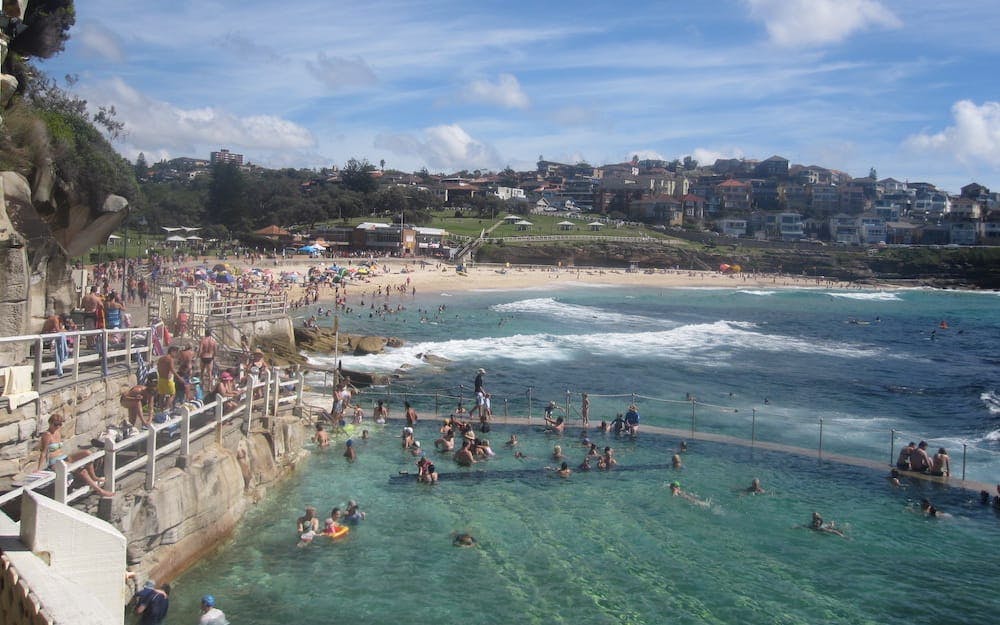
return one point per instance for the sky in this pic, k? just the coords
(905, 86)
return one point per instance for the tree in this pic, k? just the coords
(690, 163)
(873, 174)
(48, 23)
(357, 176)
(227, 197)
(141, 166)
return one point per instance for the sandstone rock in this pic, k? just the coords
(393, 341)
(369, 345)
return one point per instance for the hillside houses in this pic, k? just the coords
(765, 199)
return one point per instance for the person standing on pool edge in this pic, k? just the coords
(480, 391)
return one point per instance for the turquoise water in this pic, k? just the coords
(615, 547)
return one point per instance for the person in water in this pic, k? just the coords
(321, 437)
(817, 524)
(563, 471)
(354, 515)
(675, 491)
(349, 452)
(463, 539)
(676, 462)
(754, 488)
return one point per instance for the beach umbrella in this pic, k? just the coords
(220, 267)
(225, 278)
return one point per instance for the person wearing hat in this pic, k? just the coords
(257, 368)
(211, 615)
(354, 514)
(226, 391)
(349, 451)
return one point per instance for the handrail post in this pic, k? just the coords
(248, 413)
(821, 438)
(39, 347)
(220, 412)
(185, 450)
(76, 356)
(300, 389)
(569, 397)
(61, 488)
(110, 464)
(892, 447)
(267, 391)
(151, 456)
(277, 393)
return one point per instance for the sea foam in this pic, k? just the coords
(877, 296)
(714, 344)
(554, 309)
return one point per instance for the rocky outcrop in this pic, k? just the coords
(369, 345)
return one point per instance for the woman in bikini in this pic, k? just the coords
(51, 451)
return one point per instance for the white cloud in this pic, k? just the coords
(339, 72)
(445, 148)
(817, 22)
(97, 40)
(974, 138)
(643, 155)
(159, 126)
(705, 156)
(506, 92)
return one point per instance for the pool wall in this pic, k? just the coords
(191, 511)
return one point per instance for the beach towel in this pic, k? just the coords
(17, 388)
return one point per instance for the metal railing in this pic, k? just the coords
(190, 423)
(64, 352)
(827, 437)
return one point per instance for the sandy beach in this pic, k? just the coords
(436, 277)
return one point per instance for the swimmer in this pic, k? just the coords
(464, 457)
(308, 521)
(520, 455)
(607, 461)
(754, 488)
(354, 515)
(512, 442)
(563, 471)
(557, 453)
(426, 472)
(928, 509)
(585, 465)
(683, 447)
(446, 442)
(349, 451)
(604, 426)
(463, 539)
(816, 524)
(321, 437)
(415, 449)
(676, 461)
(675, 491)
(893, 478)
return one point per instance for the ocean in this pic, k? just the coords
(846, 371)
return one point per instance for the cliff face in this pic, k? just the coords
(46, 217)
(940, 267)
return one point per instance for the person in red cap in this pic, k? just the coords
(226, 391)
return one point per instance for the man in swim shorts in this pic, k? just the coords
(165, 370)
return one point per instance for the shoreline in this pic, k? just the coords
(440, 276)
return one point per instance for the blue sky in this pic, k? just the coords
(906, 86)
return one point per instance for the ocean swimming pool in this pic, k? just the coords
(603, 547)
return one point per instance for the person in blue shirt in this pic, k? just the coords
(632, 420)
(152, 604)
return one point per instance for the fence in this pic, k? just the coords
(831, 437)
(54, 354)
(193, 422)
